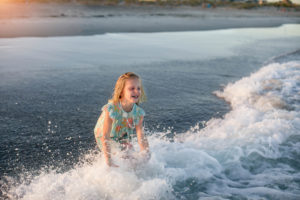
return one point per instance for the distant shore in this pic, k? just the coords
(70, 19)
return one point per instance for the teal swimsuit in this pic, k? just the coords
(123, 124)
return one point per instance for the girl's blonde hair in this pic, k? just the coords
(120, 84)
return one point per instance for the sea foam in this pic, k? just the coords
(250, 153)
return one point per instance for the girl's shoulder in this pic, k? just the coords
(139, 111)
(112, 109)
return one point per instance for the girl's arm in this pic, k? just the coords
(142, 140)
(107, 124)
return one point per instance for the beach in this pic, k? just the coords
(67, 19)
(222, 111)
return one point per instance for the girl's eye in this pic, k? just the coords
(134, 88)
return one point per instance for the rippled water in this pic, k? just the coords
(215, 130)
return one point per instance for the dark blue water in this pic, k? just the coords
(49, 108)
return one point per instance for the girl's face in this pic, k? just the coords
(132, 90)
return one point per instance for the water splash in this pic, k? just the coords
(249, 153)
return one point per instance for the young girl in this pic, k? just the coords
(120, 116)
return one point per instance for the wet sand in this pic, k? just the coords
(46, 20)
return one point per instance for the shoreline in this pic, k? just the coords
(69, 19)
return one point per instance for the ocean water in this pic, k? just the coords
(222, 117)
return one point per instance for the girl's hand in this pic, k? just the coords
(113, 165)
(146, 155)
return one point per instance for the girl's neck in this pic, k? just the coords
(126, 106)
